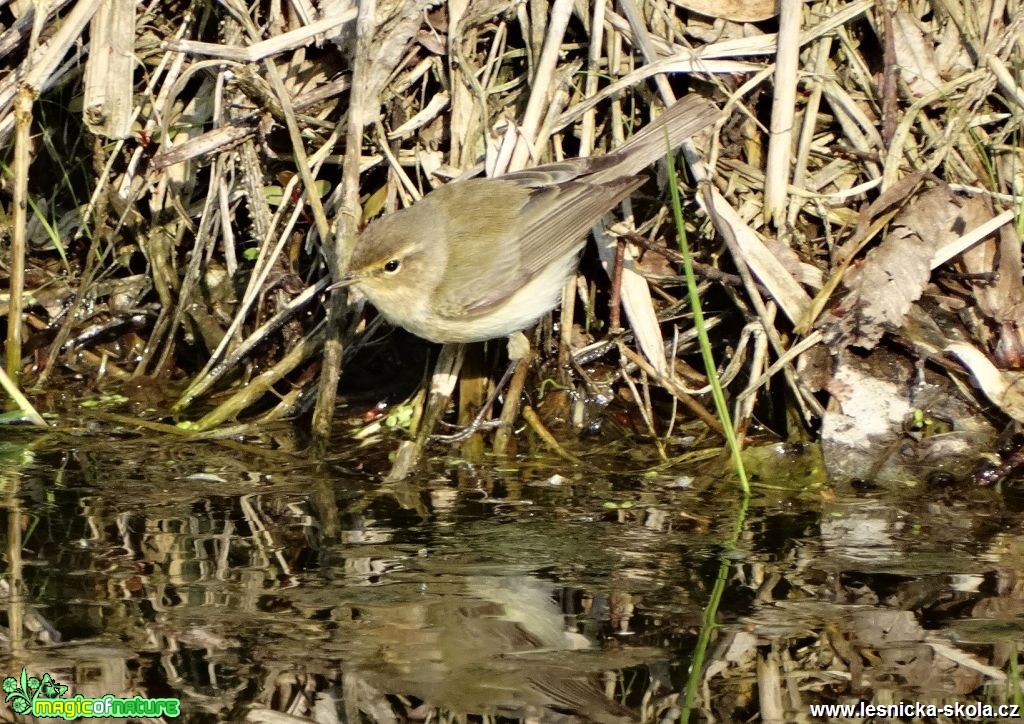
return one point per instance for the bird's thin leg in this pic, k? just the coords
(479, 421)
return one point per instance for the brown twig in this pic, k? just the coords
(538, 427)
(615, 302)
(23, 103)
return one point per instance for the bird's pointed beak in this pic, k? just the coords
(347, 280)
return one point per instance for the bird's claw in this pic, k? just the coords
(467, 432)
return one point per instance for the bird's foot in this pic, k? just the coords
(477, 425)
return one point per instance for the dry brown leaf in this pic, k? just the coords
(893, 275)
(882, 289)
(951, 55)
(941, 214)
(400, 21)
(740, 11)
(870, 214)
(915, 54)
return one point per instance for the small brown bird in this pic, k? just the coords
(485, 258)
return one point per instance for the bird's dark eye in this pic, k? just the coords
(392, 265)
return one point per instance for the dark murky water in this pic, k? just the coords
(250, 586)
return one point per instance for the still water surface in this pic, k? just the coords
(252, 585)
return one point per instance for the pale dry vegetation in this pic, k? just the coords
(182, 180)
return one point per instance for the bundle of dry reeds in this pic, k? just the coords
(184, 180)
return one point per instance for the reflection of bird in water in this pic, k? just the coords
(481, 644)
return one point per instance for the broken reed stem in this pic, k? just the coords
(264, 383)
(510, 410)
(205, 381)
(346, 227)
(23, 103)
(433, 405)
(675, 390)
(20, 400)
(780, 144)
(615, 302)
(538, 427)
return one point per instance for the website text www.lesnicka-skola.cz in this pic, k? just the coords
(863, 709)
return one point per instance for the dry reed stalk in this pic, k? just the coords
(858, 133)
(780, 142)
(108, 69)
(264, 383)
(23, 103)
(10, 386)
(42, 67)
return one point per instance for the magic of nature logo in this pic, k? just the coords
(44, 697)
